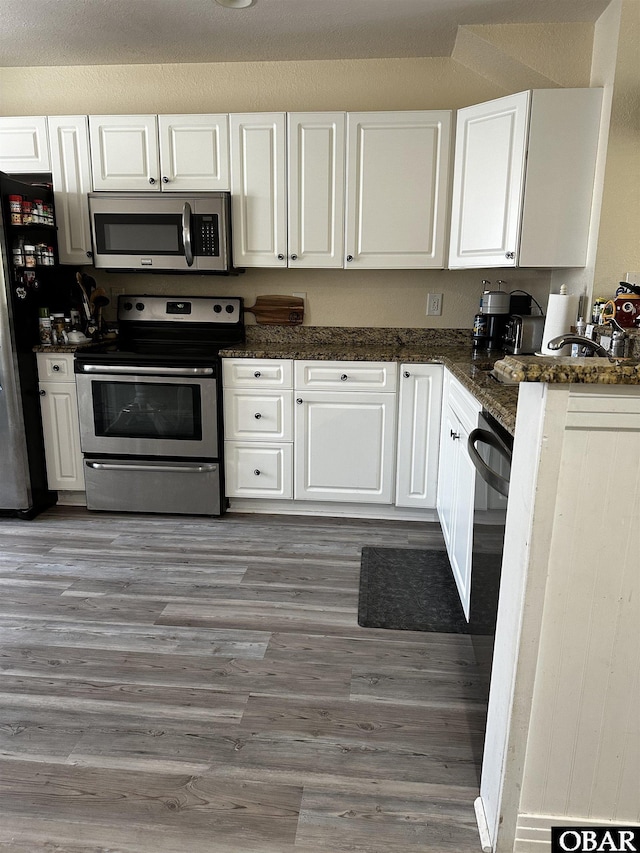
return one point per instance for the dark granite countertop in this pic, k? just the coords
(451, 347)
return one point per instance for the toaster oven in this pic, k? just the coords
(523, 334)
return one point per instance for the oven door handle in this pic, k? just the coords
(133, 370)
(196, 468)
(495, 480)
(186, 233)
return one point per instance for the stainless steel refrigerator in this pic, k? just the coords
(26, 285)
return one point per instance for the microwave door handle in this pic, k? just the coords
(186, 233)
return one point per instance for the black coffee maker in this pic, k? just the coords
(490, 322)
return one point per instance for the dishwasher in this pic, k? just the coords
(490, 448)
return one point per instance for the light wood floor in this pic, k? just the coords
(193, 684)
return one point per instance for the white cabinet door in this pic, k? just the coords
(24, 146)
(344, 446)
(316, 166)
(488, 182)
(61, 432)
(194, 152)
(457, 482)
(419, 409)
(124, 153)
(397, 189)
(523, 179)
(258, 186)
(71, 170)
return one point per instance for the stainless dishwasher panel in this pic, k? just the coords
(125, 485)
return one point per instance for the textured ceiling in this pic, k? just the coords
(121, 32)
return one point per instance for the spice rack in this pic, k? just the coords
(33, 230)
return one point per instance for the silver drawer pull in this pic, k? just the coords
(256, 471)
(257, 416)
(344, 377)
(257, 374)
(406, 374)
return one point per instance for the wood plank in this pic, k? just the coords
(172, 683)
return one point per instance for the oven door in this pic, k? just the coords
(148, 411)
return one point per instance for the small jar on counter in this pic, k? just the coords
(59, 333)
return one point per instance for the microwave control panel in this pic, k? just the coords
(206, 235)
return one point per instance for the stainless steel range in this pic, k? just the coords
(151, 408)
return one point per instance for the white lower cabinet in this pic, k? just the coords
(59, 409)
(457, 482)
(419, 409)
(258, 428)
(332, 431)
(344, 439)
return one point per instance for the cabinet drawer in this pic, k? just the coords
(258, 415)
(258, 470)
(257, 372)
(346, 375)
(55, 367)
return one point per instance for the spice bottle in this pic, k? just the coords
(44, 325)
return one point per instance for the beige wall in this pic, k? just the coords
(619, 238)
(374, 298)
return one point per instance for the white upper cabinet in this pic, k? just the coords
(316, 161)
(194, 152)
(23, 144)
(168, 153)
(71, 171)
(124, 153)
(258, 186)
(523, 180)
(397, 189)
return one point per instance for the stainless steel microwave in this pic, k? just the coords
(161, 233)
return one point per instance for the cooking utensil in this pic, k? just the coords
(278, 310)
(85, 297)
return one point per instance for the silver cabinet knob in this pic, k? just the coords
(152, 180)
(257, 416)
(256, 471)
(55, 368)
(257, 374)
(280, 256)
(406, 374)
(89, 254)
(344, 377)
(165, 179)
(43, 393)
(299, 401)
(294, 257)
(509, 255)
(349, 258)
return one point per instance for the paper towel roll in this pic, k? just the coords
(561, 316)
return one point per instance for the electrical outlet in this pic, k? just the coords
(434, 304)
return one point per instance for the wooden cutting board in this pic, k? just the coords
(278, 310)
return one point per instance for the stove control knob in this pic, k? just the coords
(229, 309)
(127, 306)
(139, 306)
(217, 308)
